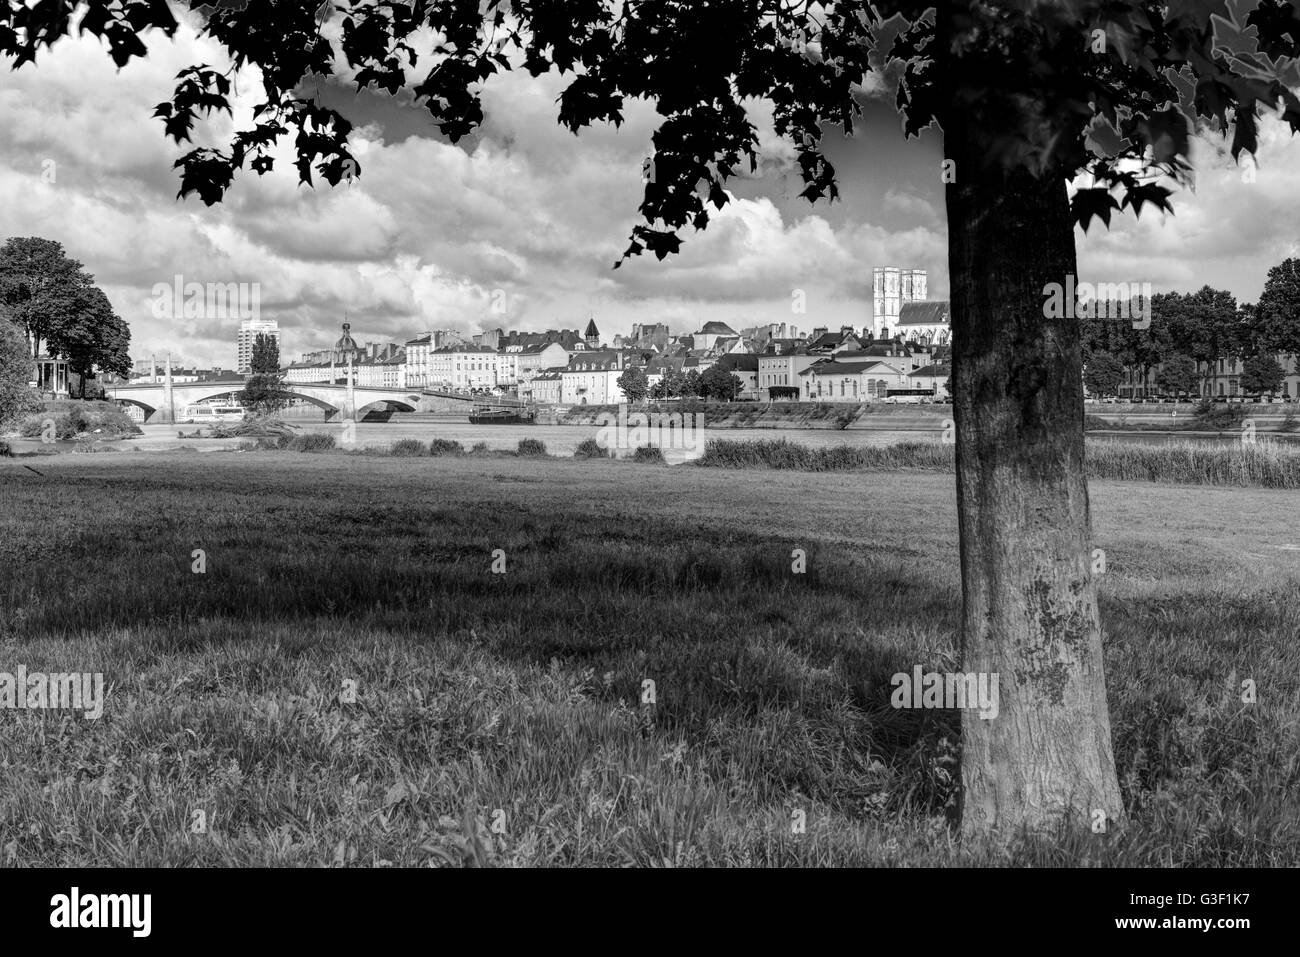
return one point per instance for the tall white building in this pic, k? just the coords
(249, 330)
(891, 288)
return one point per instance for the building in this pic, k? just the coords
(592, 336)
(649, 336)
(926, 323)
(463, 368)
(834, 380)
(591, 378)
(306, 372)
(544, 388)
(779, 367)
(151, 370)
(829, 343)
(381, 367)
(249, 330)
(892, 288)
(417, 360)
(1220, 378)
(710, 333)
(744, 366)
(541, 356)
(934, 377)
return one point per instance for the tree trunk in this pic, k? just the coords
(1029, 609)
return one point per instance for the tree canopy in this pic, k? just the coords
(56, 302)
(1104, 87)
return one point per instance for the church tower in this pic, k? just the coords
(592, 335)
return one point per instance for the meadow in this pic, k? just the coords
(349, 682)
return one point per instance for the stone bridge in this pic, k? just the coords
(163, 402)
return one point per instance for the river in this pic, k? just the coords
(564, 439)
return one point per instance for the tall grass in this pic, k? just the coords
(308, 442)
(1264, 464)
(522, 692)
(446, 447)
(407, 448)
(784, 454)
(590, 449)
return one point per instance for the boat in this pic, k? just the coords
(209, 414)
(502, 413)
(503, 417)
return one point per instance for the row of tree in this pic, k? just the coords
(1190, 332)
(55, 302)
(713, 383)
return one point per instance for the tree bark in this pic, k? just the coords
(1029, 609)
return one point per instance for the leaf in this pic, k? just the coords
(1096, 202)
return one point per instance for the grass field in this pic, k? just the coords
(515, 699)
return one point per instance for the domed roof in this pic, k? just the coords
(346, 343)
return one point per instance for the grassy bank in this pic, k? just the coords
(521, 692)
(1265, 464)
(745, 415)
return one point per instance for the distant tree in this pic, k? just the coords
(266, 355)
(97, 340)
(1103, 373)
(41, 288)
(61, 309)
(1178, 376)
(689, 384)
(1277, 314)
(1261, 375)
(264, 392)
(17, 398)
(720, 384)
(634, 384)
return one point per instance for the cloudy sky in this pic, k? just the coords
(529, 215)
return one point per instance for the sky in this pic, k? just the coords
(519, 226)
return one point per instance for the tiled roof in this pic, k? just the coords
(928, 313)
(835, 367)
(744, 362)
(716, 329)
(939, 369)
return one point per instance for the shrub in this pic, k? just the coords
(405, 448)
(1211, 415)
(309, 442)
(1289, 422)
(5, 450)
(532, 447)
(649, 455)
(450, 447)
(480, 448)
(73, 417)
(590, 449)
